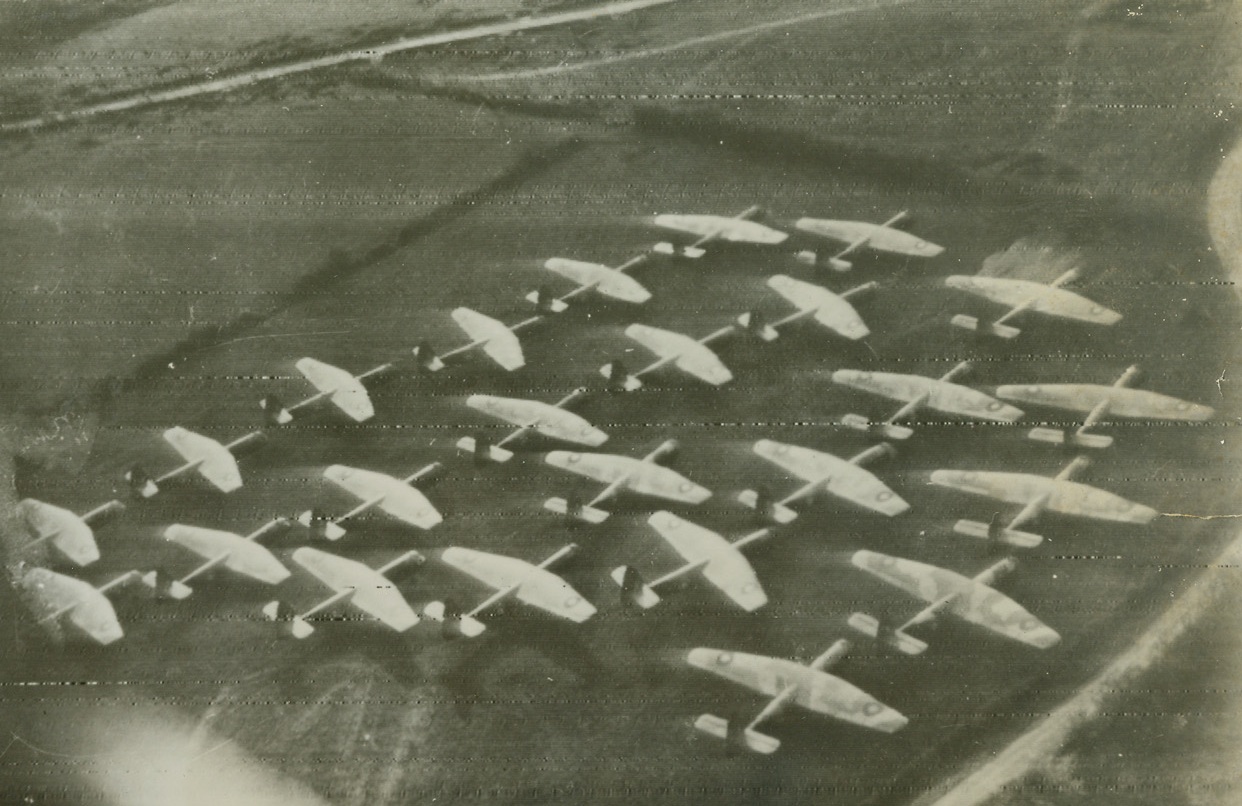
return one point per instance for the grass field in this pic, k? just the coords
(350, 217)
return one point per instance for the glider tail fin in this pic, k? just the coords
(141, 484)
(634, 589)
(275, 412)
(426, 357)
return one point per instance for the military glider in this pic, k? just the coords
(831, 310)
(397, 497)
(510, 577)
(342, 388)
(844, 478)
(970, 599)
(920, 392)
(859, 234)
(241, 555)
(549, 419)
(1038, 494)
(360, 585)
(214, 462)
(719, 561)
(496, 339)
(709, 228)
(1026, 295)
(692, 356)
(86, 606)
(788, 683)
(69, 532)
(603, 280)
(1098, 402)
(643, 476)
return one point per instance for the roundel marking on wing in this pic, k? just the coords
(685, 487)
(871, 708)
(724, 658)
(574, 457)
(1028, 624)
(883, 495)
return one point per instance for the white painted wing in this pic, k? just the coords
(831, 311)
(726, 568)
(1122, 401)
(498, 341)
(537, 587)
(73, 537)
(400, 500)
(1042, 298)
(876, 236)
(605, 280)
(971, 601)
(645, 478)
(950, 398)
(839, 477)
(344, 390)
(89, 610)
(545, 418)
(245, 557)
(816, 691)
(1066, 497)
(736, 230)
(689, 355)
(217, 465)
(373, 593)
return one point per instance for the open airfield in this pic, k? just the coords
(169, 266)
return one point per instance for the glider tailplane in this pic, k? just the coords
(484, 450)
(995, 328)
(996, 533)
(575, 510)
(884, 633)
